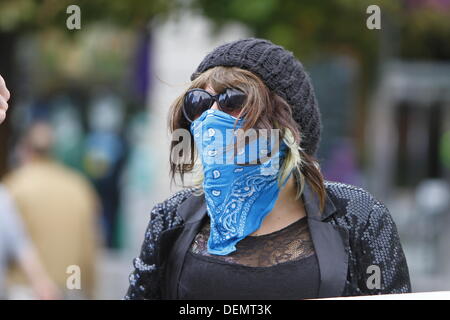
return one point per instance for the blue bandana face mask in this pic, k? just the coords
(238, 197)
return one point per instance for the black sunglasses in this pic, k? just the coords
(197, 101)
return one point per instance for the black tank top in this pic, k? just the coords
(279, 265)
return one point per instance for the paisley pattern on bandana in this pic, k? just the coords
(238, 197)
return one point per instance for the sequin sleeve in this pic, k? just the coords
(145, 278)
(382, 256)
(142, 279)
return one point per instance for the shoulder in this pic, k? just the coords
(164, 214)
(354, 203)
(373, 240)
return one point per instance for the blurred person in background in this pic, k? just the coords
(104, 158)
(16, 246)
(59, 209)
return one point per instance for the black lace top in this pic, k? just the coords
(279, 265)
(365, 226)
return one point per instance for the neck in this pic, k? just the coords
(288, 192)
(286, 210)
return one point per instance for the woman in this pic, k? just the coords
(266, 227)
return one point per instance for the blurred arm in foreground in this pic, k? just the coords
(4, 97)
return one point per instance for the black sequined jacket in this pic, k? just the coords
(354, 237)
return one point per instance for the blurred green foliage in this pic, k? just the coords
(99, 51)
(418, 29)
(425, 33)
(306, 27)
(29, 15)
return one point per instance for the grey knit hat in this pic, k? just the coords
(281, 72)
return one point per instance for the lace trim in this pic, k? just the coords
(291, 243)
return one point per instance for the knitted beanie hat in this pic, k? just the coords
(281, 72)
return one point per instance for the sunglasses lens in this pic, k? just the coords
(196, 102)
(232, 100)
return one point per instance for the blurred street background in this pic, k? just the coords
(104, 90)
